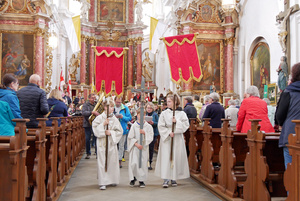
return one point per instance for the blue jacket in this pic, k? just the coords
(288, 109)
(216, 112)
(155, 122)
(7, 128)
(126, 118)
(60, 110)
(33, 104)
(8, 95)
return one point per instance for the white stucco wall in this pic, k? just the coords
(257, 20)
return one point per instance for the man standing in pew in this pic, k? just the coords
(87, 111)
(33, 101)
(288, 109)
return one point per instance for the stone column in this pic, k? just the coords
(130, 62)
(92, 11)
(139, 61)
(229, 67)
(82, 60)
(92, 61)
(131, 11)
(39, 53)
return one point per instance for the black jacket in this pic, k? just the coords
(216, 112)
(33, 104)
(190, 110)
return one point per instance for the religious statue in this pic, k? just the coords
(283, 32)
(282, 73)
(85, 6)
(212, 88)
(147, 68)
(22, 68)
(139, 12)
(74, 64)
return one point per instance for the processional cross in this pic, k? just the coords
(143, 90)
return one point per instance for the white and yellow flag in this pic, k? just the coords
(73, 30)
(157, 30)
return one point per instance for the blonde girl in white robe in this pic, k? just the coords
(114, 133)
(179, 168)
(134, 147)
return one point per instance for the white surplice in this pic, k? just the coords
(112, 176)
(180, 169)
(140, 174)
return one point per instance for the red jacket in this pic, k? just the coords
(253, 108)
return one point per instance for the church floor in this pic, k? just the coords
(83, 186)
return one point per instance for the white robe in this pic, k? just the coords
(141, 174)
(112, 176)
(180, 169)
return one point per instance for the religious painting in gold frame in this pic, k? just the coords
(260, 66)
(17, 55)
(18, 5)
(272, 93)
(210, 54)
(111, 10)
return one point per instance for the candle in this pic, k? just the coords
(135, 86)
(155, 93)
(81, 88)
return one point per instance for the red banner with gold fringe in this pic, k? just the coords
(183, 57)
(109, 66)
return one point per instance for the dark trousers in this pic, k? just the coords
(151, 149)
(88, 133)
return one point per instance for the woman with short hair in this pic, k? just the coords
(253, 107)
(288, 109)
(215, 111)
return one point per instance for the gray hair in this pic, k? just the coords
(196, 97)
(214, 96)
(206, 98)
(189, 99)
(231, 102)
(237, 102)
(253, 91)
(267, 101)
(151, 105)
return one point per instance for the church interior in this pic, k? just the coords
(240, 43)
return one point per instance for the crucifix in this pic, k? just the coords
(284, 26)
(143, 90)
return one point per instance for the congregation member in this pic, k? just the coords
(197, 104)
(7, 126)
(78, 99)
(135, 172)
(123, 114)
(179, 167)
(137, 97)
(288, 109)
(33, 101)
(164, 106)
(232, 113)
(189, 108)
(157, 109)
(67, 98)
(161, 99)
(57, 107)
(87, 111)
(215, 111)
(8, 88)
(114, 133)
(150, 112)
(253, 107)
(207, 101)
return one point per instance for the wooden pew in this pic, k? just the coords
(291, 175)
(51, 155)
(36, 161)
(62, 144)
(68, 157)
(13, 163)
(194, 162)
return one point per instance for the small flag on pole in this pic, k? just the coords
(62, 81)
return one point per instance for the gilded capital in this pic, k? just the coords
(139, 40)
(130, 41)
(40, 32)
(92, 40)
(229, 41)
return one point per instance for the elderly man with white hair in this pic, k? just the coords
(231, 113)
(215, 111)
(253, 107)
(207, 101)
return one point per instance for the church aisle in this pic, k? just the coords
(83, 187)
